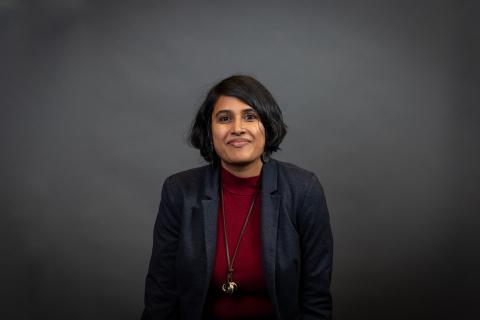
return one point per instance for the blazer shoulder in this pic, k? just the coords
(296, 182)
(188, 177)
(192, 184)
(294, 173)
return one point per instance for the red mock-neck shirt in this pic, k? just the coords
(251, 301)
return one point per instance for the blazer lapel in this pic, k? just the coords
(269, 221)
(209, 209)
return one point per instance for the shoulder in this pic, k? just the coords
(293, 171)
(296, 177)
(188, 180)
(298, 186)
(188, 176)
(302, 196)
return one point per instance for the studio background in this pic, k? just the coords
(381, 100)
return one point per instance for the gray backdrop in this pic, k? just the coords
(381, 99)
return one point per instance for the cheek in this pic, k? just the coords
(261, 134)
(218, 137)
(216, 133)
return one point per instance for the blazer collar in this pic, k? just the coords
(212, 182)
(269, 177)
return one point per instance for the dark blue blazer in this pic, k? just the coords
(296, 244)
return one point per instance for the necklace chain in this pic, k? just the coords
(229, 286)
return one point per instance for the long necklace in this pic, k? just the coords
(230, 286)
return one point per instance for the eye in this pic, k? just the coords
(250, 116)
(223, 118)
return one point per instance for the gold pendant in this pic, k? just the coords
(229, 287)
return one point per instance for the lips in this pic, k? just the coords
(238, 143)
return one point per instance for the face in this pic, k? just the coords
(238, 134)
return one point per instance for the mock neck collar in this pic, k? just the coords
(212, 179)
(239, 185)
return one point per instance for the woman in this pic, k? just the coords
(247, 236)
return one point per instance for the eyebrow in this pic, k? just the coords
(243, 111)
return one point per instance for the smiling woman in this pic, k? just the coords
(238, 136)
(247, 236)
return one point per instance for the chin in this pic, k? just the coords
(241, 160)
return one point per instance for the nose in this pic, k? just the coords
(238, 126)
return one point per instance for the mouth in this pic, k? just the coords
(238, 143)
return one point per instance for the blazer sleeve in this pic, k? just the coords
(161, 289)
(317, 254)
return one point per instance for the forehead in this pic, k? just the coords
(228, 103)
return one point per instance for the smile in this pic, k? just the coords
(238, 143)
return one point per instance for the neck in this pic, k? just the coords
(244, 170)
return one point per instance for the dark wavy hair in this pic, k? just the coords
(250, 91)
